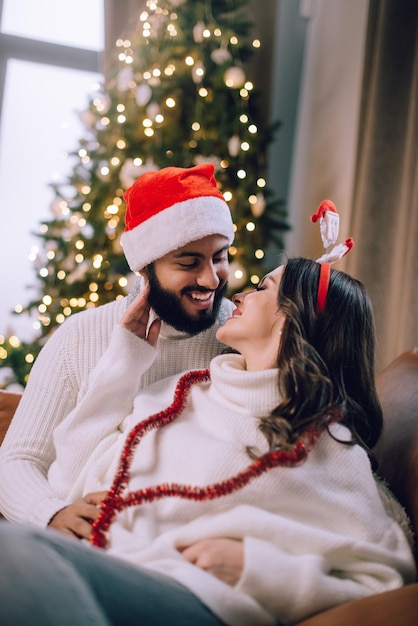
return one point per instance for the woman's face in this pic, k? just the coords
(255, 326)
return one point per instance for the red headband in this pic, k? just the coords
(324, 276)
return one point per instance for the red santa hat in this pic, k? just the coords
(170, 208)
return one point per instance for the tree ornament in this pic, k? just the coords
(258, 207)
(198, 31)
(87, 117)
(57, 206)
(198, 72)
(125, 77)
(234, 77)
(130, 171)
(153, 110)
(143, 94)
(78, 273)
(102, 103)
(154, 81)
(220, 55)
(88, 231)
(212, 158)
(234, 145)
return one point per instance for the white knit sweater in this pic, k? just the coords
(59, 380)
(315, 535)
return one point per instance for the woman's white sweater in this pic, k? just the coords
(315, 535)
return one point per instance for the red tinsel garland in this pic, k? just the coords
(115, 502)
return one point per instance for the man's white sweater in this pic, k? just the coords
(59, 380)
(315, 535)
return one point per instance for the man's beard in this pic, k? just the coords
(167, 305)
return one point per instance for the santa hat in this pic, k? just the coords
(170, 208)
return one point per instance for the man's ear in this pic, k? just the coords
(144, 274)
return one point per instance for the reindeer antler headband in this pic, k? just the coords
(329, 224)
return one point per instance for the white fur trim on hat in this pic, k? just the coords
(175, 227)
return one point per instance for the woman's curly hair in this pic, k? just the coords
(326, 361)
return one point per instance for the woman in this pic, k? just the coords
(266, 465)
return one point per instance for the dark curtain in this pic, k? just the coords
(385, 207)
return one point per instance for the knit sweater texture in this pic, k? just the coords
(59, 380)
(314, 536)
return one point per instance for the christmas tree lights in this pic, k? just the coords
(177, 94)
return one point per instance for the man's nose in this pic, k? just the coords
(208, 277)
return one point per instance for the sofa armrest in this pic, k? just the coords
(399, 607)
(397, 449)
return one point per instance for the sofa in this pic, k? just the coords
(397, 455)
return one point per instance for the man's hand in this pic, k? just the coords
(223, 558)
(75, 519)
(135, 319)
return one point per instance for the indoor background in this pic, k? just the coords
(342, 79)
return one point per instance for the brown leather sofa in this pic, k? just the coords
(397, 453)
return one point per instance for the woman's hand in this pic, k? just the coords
(223, 558)
(75, 519)
(135, 319)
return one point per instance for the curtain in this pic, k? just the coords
(356, 143)
(325, 143)
(384, 216)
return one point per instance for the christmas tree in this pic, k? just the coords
(177, 94)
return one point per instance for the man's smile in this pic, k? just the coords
(201, 300)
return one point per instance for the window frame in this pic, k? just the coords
(25, 49)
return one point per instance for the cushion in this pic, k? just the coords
(8, 405)
(392, 608)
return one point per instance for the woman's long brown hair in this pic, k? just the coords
(326, 361)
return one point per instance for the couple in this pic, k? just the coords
(240, 495)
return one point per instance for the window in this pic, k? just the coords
(49, 63)
(76, 23)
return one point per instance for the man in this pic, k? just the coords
(178, 231)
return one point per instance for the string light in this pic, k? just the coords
(147, 85)
(238, 274)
